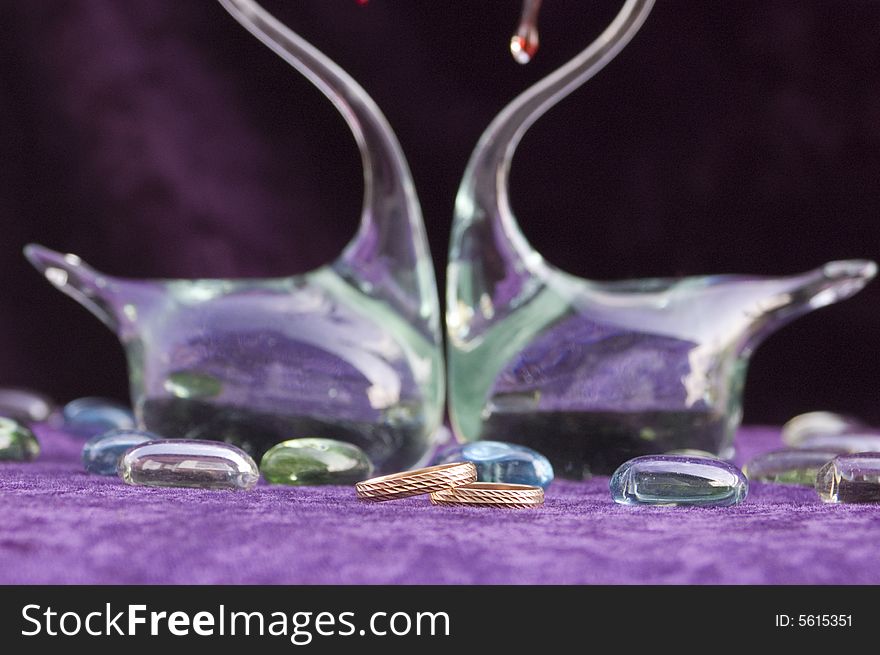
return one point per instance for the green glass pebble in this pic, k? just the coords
(314, 462)
(675, 480)
(17, 443)
(850, 479)
(788, 466)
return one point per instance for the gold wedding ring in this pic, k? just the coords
(491, 494)
(419, 481)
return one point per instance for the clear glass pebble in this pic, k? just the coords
(497, 461)
(101, 453)
(676, 480)
(25, 405)
(850, 479)
(798, 466)
(187, 463)
(813, 424)
(865, 441)
(17, 442)
(315, 461)
(91, 416)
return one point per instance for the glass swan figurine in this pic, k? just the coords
(349, 351)
(594, 373)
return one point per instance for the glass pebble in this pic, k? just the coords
(850, 479)
(91, 416)
(101, 453)
(692, 452)
(25, 406)
(798, 466)
(17, 443)
(187, 463)
(497, 461)
(315, 461)
(677, 480)
(846, 442)
(812, 424)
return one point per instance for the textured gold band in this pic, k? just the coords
(419, 481)
(491, 494)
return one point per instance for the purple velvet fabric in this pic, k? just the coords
(62, 526)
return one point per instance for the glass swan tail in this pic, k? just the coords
(109, 298)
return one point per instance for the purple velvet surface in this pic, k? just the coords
(60, 525)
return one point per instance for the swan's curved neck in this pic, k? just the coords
(391, 243)
(483, 191)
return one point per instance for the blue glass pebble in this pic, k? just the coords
(101, 453)
(92, 416)
(676, 480)
(497, 461)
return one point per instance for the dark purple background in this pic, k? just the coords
(160, 139)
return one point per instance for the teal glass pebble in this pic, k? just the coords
(676, 480)
(188, 463)
(17, 442)
(91, 416)
(101, 453)
(497, 461)
(310, 461)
